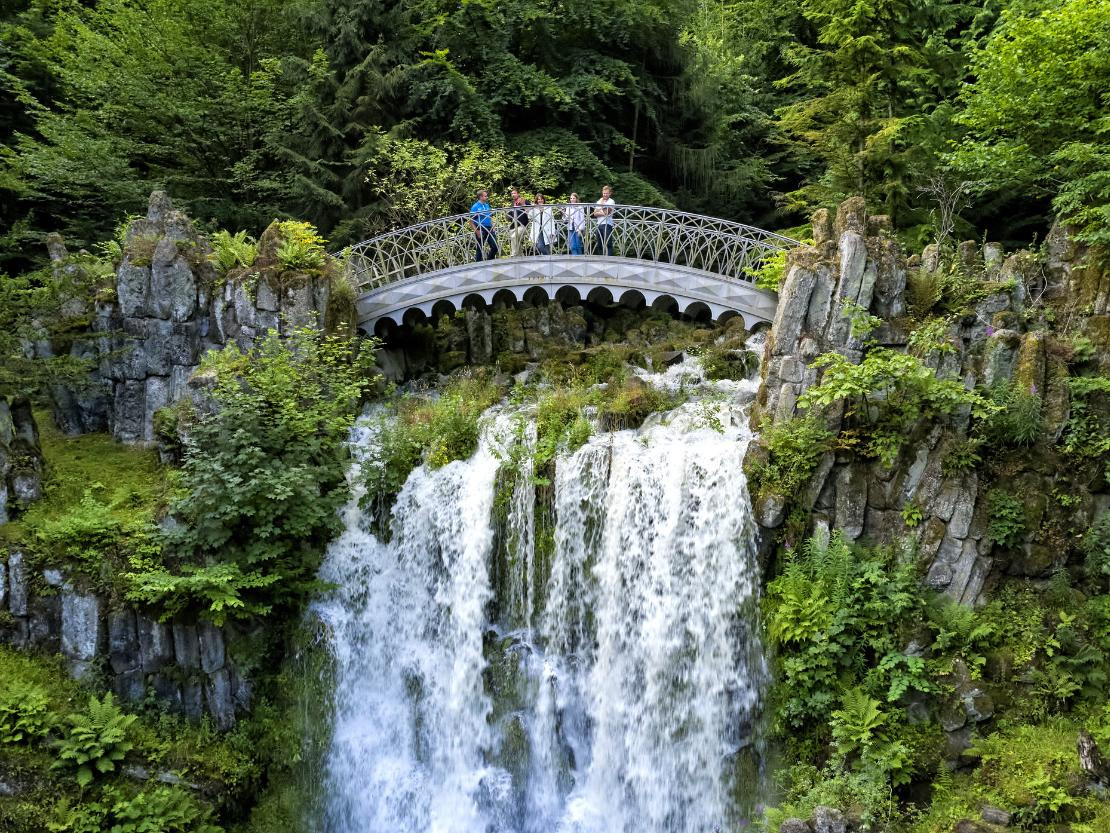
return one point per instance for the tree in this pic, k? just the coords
(1036, 112)
(870, 113)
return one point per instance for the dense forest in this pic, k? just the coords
(361, 115)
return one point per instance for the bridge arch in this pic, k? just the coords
(665, 259)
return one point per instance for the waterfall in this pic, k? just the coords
(615, 683)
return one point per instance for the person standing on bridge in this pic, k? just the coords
(518, 223)
(481, 218)
(575, 216)
(603, 211)
(542, 222)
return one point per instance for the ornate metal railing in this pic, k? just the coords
(731, 250)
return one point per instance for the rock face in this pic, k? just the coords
(167, 309)
(135, 653)
(21, 463)
(854, 266)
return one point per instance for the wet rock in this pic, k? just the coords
(123, 641)
(3, 583)
(212, 653)
(969, 826)
(770, 511)
(794, 825)
(155, 644)
(17, 583)
(828, 820)
(186, 646)
(82, 627)
(994, 815)
(218, 696)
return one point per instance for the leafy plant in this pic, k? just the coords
(301, 248)
(912, 514)
(1016, 419)
(886, 394)
(24, 712)
(839, 615)
(1006, 523)
(793, 450)
(1087, 435)
(1096, 549)
(263, 477)
(962, 456)
(232, 251)
(860, 321)
(161, 809)
(96, 740)
(772, 271)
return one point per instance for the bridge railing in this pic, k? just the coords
(728, 249)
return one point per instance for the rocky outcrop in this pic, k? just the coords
(854, 265)
(21, 462)
(186, 664)
(167, 308)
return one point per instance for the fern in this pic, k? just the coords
(24, 713)
(96, 740)
(858, 723)
(232, 251)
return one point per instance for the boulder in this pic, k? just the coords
(82, 628)
(828, 820)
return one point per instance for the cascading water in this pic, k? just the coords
(623, 670)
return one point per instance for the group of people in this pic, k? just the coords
(535, 220)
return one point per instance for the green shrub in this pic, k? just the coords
(772, 271)
(96, 536)
(1096, 549)
(1016, 419)
(1006, 523)
(262, 479)
(24, 712)
(840, 616)
(628, 405)
(793, 450)
(885, 395)
(232, 251)
(912, 514)
(1087, 434)
(157, 810)
(435, 429)
(96, 740)
(301, 248)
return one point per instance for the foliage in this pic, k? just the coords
(772, 271)
(262, 479)
(963, 455)
(232, 251)
(1087, 434)
(436, 430)
(885, 395)
(840, 616)
(1016, 419)
(793, 450)
(912, 514)
(1035, 113)
(24, 714)
(159, 809)
(1006, 523)
(1096, 549)
(96, 740)
(301, 248)
(38, 307)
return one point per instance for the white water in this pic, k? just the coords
(609, 700)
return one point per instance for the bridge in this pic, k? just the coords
(689, 263)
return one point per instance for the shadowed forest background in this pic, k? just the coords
(361, 115)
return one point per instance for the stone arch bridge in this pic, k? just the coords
(674, 260)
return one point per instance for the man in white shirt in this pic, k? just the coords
(603, 211)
